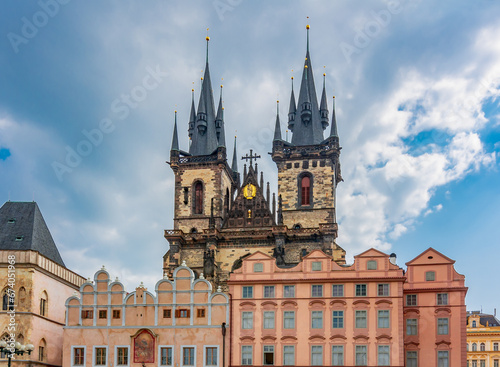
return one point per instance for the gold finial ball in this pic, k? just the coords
(192, 90)
(208, 38)
(292, 77)
(278, 101)
(324, 74)
(175, 111)
(307, 26)
(305, 66)
(221, 85)
(201, 78)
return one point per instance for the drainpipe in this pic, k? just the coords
(223, 329)
(231, 331)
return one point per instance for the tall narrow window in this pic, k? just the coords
(305, 190)
(198, 198)
(7, 301)
(41, 350)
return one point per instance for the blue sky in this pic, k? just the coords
(416, 86)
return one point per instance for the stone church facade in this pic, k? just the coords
(222, 215)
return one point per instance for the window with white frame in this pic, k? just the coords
(337, 355)
(268, 319)
(338, 319)
(247, 292)
(360, 319)
(316, 290)
(188, 356)
(78, 355)
(442, 299)
(121, 355)
(166, 355)
(384, 356)
(268, 355)
(474, 347)
(288, 355)
(482, 347)
(411, 326)
(383, 319)
(288, 291)
(361, 355)
(316, 319)
(211, 356)
(269, 291)
(496, 363)
(337, 290)
(246, 355)
(100, 355)
(443, 358)
(411, 359)
(247, 320)
(289, 319)
(495, 347)
(316, 355)
(442, 325)
(482, 363)
(474, 363)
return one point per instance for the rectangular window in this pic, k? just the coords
(167, 314)
(288, 355)
(338, 290)
(337, 355)
(338, 319)
(103, 314)
(383, 319)
(383, 355)
(361, 355)
(268, 319)
(166, 356)
(200, 312)
(360, 319)
(258, 268)
(87, 314)
(247, 320)
(442, 299)
(482, 363)
(371, 265)
(411, 359)
(443, 359)
(316, 355)
(188, 356)
(247, 292)
(78, 356)
(474, 363)
(317, 319)
(316, 266)
(268, 355)
(116, 314)
(100, 356)
(43, 306)
(316, 290)
(360, 290)
(182, 313)
(495, 347)
(211, 356)
(430, 276)
(122, 356)
(383, 290)
(269, 291)
(41, 353)
(246, 355)
(289, 291)
(442, 326)
(496, 363)
(289, 319)
(411, 327)
(411, 299)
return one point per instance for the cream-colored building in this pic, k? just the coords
(40, 283)
(483, 340)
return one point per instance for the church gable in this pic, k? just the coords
(430, 257)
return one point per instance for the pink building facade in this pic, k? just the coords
(321, 313)
(182, 324)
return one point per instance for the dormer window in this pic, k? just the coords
(12, 220)
(19, 238)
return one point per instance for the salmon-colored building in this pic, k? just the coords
(322, 313)
(182, 324)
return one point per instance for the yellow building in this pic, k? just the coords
(483, 340)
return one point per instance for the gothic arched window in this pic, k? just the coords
(198, 198)
(43, 304)
(305, 189)
(7, 302)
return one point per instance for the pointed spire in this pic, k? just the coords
(323, 109)
(219, 122)
(192, 116)
(277, 128)
(334, 131)
(292, 110)
(175, 139)
(307, 30)
(234, 165)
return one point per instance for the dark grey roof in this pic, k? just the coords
(484, 318)
(22, 227)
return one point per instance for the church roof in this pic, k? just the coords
(22, 227)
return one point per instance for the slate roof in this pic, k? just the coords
(22, 227)
(485, 318)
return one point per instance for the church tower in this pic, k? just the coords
(309, 165)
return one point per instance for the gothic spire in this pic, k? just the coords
(234, 165)
(204, 141)
(323, 108)
(277, 128)
(192, 117)
(219, 123)
(175, 139)
(309, 130)
(334, 131)
(292, 110)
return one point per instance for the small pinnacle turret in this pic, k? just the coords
(234, 165)
(219, 123)
(175, 139)
(277, 127)
(323, 108)
(292, 110)
(334, 131)
(192, 116)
